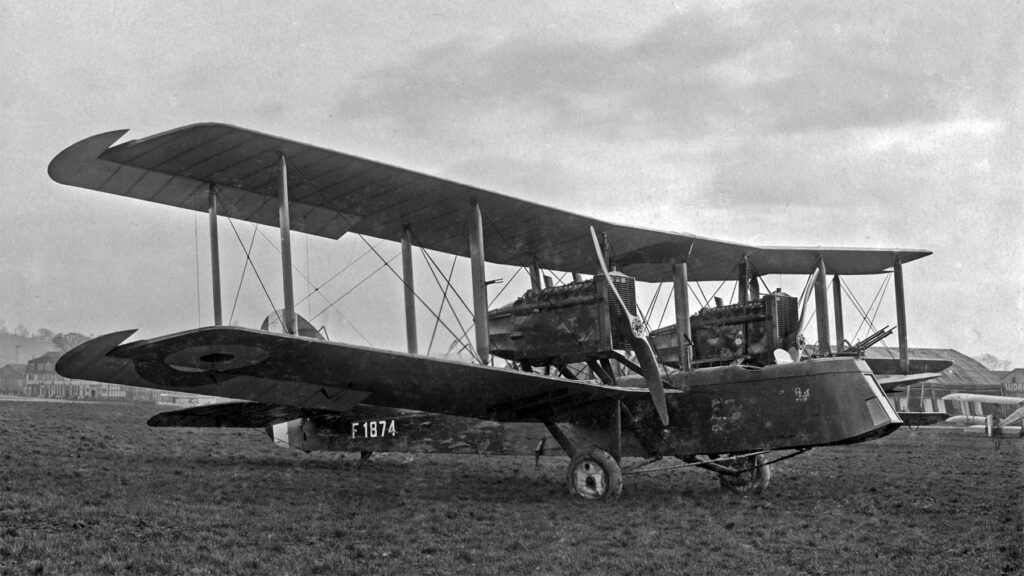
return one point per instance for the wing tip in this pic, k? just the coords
(87, 353)
(67, 166)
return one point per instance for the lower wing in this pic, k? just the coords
(281, 370)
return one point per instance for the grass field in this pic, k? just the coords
(89, 489)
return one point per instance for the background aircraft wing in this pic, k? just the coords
(333, 193)
(896, 382)
(279, 370)
(922, 418)
(984, 399)
(1014, 418)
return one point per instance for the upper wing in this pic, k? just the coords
(314, 374)
(333, 193)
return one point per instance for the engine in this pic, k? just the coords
(748, 332)
(563, 324)
(581, 321)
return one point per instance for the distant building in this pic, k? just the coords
(12, 380)
(1013, 382)
(42, 381)
(965, 375)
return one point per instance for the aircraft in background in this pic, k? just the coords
(988, 421)
(729, 388)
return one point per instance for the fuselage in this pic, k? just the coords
(727, 409)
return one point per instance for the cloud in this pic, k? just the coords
(791, 67)
(781, 109)
(576, 85)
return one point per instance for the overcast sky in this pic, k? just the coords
(867, 124)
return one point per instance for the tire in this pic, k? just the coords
(594, 475)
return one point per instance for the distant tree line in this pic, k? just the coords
(21, 344)
(993, 363)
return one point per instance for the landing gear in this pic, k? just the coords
(754, 476)
(594, 475)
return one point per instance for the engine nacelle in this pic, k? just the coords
(563, 324)
(749, 332)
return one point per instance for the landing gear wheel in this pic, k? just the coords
(594, 475)
(752, 481)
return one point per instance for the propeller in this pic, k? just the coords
(637, 335)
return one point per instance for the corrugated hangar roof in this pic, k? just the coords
(965, 374)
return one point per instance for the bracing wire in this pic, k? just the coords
(657, 293)
(305, 275)
(248, 257)
(661, 321)
(241, 279)
(706, 301)
(875, 301)
(444, 299)
(875, 304)
(734, 272)
(317, 289)
(505, 286)
(434, 265)
(435, 269)
(387, 264)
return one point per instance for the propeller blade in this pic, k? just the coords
(649, 366)
(638, 341)
(636, 327)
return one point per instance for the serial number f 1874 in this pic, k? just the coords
(374, 428)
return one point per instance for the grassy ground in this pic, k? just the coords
(89, 489)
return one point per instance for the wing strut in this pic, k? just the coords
(410, 293)
(218, 315)
(837, 304)
(290, 324)
(476, 262)
(821, 309)
(901, 315)
(680, 285)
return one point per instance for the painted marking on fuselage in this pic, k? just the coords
(374, 428)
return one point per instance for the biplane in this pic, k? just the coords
(727, 388)
(989, 421)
